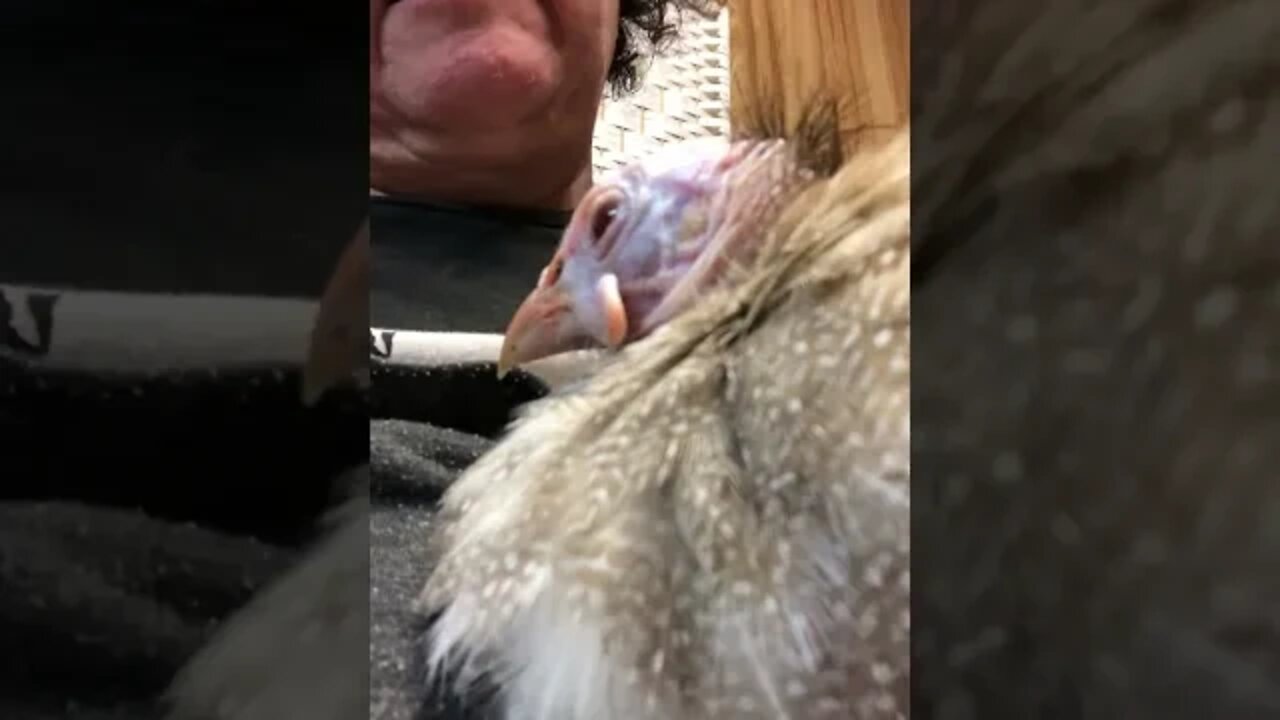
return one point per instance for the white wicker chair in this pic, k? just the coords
(684, 94)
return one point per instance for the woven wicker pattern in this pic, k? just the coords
(685, 94)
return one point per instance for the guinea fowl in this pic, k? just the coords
(715, 524)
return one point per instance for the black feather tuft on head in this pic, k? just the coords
(814, 135)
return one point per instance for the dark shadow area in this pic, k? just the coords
(163, 148)
(185, 147)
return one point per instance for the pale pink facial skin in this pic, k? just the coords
(488, 102)
(644, 244)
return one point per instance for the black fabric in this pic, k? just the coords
(137, 513)
(435, 268)
(206, 146)
(446, 268)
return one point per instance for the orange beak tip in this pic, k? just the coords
(523, 323)
(506, 359)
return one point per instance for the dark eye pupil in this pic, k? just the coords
(606, 213)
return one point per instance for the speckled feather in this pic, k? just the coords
(1095, 314)
(716, 525)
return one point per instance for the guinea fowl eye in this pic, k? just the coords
(606, 212)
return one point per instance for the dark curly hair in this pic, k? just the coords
(644, 25)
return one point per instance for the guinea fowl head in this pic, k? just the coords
(647, 241)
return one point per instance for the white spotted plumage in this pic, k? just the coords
(715, 526)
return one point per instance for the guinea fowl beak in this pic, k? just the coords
(540, 328)
(577, 302)
(339, 340)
